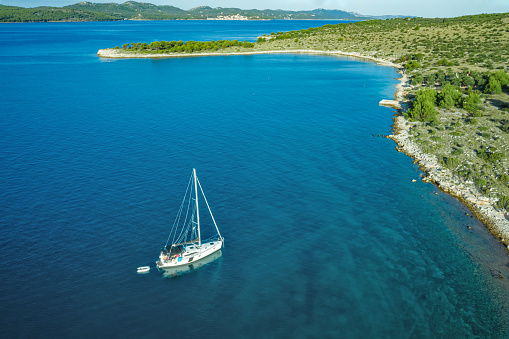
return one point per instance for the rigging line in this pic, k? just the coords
(179, 213)
(177, 218)
(185, 230)
(208, 207)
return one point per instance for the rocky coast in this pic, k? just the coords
(121, 54)
(484, 208)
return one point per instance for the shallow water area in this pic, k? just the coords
(325, 232)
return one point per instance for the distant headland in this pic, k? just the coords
(132, 10)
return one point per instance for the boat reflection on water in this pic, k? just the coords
(179, 270)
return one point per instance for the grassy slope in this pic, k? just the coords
(455, 39)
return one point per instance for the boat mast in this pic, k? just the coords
(197, 210)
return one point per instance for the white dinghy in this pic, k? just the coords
(186, 245)
(143, 269)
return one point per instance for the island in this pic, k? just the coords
(452, 102)
(132, 10)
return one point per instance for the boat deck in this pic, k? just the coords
(191, 253)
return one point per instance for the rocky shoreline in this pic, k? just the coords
(121, 54)
(482, 207)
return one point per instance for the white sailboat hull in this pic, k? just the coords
(191, 254)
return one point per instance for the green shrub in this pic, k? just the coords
(480, 182)
(442, 62)
(490, 156)
(423, 108)
(449, 96)
(457, 151)
(503, 202)
(504, 178)
(452, 162)
(412, 65)
(464, 173)
(472, 101)
(493, 86)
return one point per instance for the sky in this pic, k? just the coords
(423, 8)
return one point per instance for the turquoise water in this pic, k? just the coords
(326, 234)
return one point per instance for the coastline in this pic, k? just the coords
(482, 207)
(112, 53)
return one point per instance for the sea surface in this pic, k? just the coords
(326, 234)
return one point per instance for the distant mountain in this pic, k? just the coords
(133, 10)
(45, 14)
(88, 11)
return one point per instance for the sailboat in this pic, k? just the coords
(185, 244)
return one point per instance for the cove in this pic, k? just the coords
(326, 234)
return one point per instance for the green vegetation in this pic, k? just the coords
(185, 47)
(503, 202)
(424, 106)
(88, 11)
(479, 146)
(44, 14)
(443, 46)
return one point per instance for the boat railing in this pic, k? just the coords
(213, 238)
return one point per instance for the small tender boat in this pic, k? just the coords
(143, 269)
(186, 245)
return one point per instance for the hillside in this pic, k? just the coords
(132, 10)
(45, 14)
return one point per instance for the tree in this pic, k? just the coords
(442, 62)
(493, 86)
(156, 45)
(502, 77)
(468, 81)
(449, 97)
(411, 65)
(423, 108)
(417, 79)
(471, 103)
(503, 202)
(456, 81)
(441, 76)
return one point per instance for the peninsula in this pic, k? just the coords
(452, 101)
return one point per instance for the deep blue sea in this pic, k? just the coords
(326, 234)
